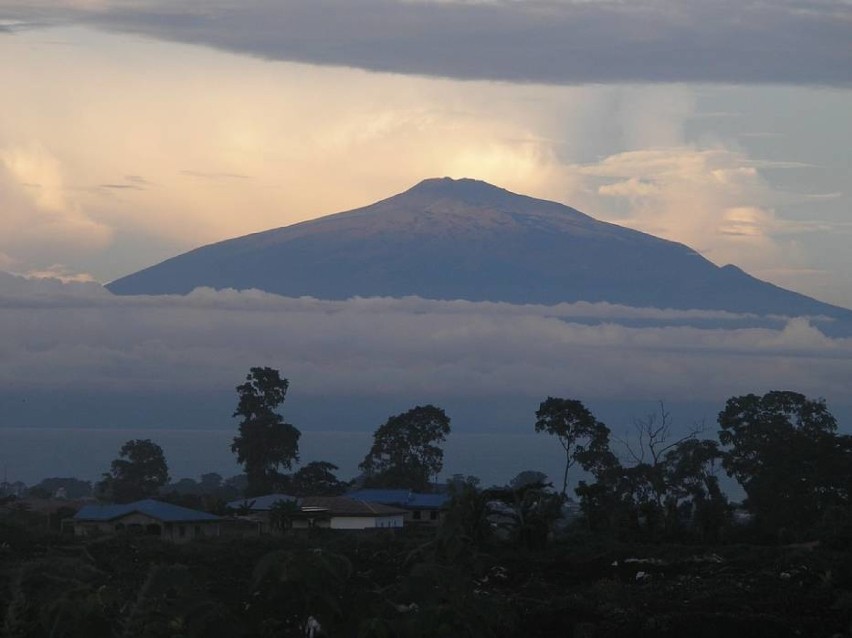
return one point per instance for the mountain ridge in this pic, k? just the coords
(467, 239)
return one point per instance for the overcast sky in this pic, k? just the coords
(131, 131)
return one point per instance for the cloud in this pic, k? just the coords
(79, 337)
(713, 199)
(246, 146)
(39, 217)
(545, 41)
(61, 273)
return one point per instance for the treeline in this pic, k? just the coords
(783, 448)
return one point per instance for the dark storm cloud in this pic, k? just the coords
(548, 41)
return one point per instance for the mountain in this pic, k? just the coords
(466, 239)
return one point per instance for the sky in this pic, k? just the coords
(134, 130)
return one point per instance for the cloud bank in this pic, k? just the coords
(544, 41)
(78, 337)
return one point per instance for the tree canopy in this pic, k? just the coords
(406, 450)
(317, 478)
(265, 442)
(577, 430)
(138, 473)
(783, 448)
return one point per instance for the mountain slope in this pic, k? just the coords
(465, 239)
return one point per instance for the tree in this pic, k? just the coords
(528, 477)
(139, 472)
(317, 479)
(578, 431)
(533, 508)
(405, 451)
(666, 484)
(265, 442)
(71, 488)
(783, 449)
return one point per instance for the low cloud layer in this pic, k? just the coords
(78, 337)
(544, 41)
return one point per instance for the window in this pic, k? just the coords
(433, 515)
(416, 515)
(182, 531)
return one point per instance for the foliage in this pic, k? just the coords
(71, 488)
(171, 604)
(669, 487)
(265, 442)
(138, 473)
(317, 479)
(577, 430)
(282, 513)
(291, 585)
(405, 450)
(59, 597)
(458, 481)
(530, 513)
(465, 527)
(783, 448)
(527, 477)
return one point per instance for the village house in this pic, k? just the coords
(341, 512)
(257, 509)
(148, 517)
(329, 512)
(421, 509)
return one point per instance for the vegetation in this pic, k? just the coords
(653, 551)
(317, 478)
(139, 472)
(265, 442)
(784, 450)
(405, 451)
(581, 435)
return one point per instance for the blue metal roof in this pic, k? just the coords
(165, 512)
(402, 498)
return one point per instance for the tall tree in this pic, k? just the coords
(139, 472)
(577, 430)
(317, 478)
(265, 442)
(406, 451)
(783, 448)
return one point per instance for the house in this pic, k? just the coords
(148, 517)
(257, 509)
(341, 512)
(330, 512)
(423, 509)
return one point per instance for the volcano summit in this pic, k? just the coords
(466, 239)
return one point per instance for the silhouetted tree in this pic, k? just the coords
(405, 451)
(783, 448)
(577, 430)
(265, 442)
(317, 479)
(139, 472)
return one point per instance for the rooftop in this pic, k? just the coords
(402, 498)
(260, 503)
(165, 512)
